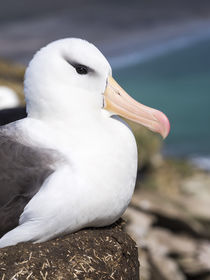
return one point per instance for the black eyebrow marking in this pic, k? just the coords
(76, 64)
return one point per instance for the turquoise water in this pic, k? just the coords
(177, 83)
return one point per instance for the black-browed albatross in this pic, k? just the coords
(71, 163)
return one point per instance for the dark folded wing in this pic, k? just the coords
(23, 169)
(11, 115)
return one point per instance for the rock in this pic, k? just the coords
(196, 190)
(197, 185)
(138, 224)
(169, 218)
(90, 254)
(205, 278)
(172, 243)
(197, 265)
(204, 254)
(163, 242)
(168, 213)
(145, 266)
(137, 227)
(164, 268)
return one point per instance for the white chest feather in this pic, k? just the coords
(101, 164)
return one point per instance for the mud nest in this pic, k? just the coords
(90, 254)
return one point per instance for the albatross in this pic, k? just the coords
(72, 162)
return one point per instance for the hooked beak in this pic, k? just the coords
(117, 101)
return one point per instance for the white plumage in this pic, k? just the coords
(94, 175)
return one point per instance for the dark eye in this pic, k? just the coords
(82, 70)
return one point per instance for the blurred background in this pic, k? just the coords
(160, 53)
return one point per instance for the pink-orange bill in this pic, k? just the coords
(119, 102)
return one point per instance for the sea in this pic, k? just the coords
(176, 82)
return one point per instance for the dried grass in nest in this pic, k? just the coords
(102, 253)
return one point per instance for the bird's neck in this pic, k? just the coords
(65, 108)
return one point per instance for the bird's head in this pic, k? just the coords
(70, 78)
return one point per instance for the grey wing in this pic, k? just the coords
(23, 169)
